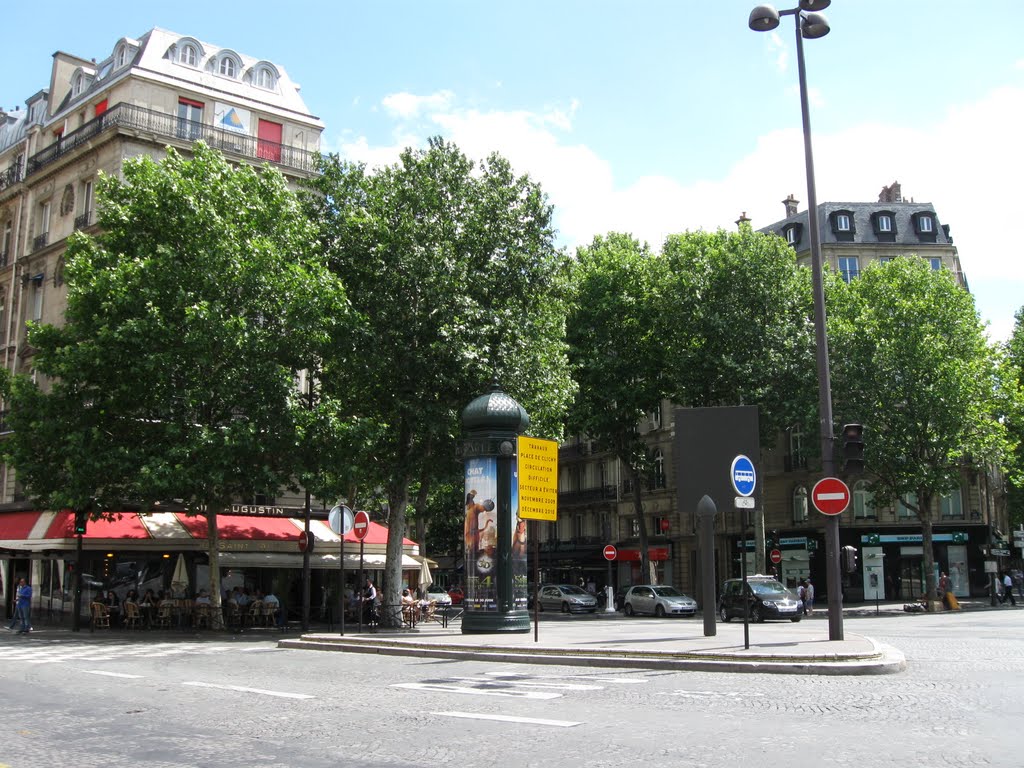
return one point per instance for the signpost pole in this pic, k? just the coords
(743, 575)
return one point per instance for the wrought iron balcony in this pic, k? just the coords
(40, 241)
(83, 221)
(133, 118)
(601, 493)
(10, 177)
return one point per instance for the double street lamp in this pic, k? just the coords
(811, 25)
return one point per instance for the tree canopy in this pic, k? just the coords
(452, 269)
(187, 322)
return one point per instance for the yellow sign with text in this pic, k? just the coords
(537, 465)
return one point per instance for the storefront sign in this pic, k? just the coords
(653, 553)
(910, 538)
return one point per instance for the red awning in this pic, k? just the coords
(124, 525)
(17, 525)
(235, 527)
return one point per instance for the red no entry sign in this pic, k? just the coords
(830, 496)
(610, 552)
(361, 525)
(775, 556)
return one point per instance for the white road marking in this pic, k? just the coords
(528, 683)
(701, 694)
(111, 674)
(510, 719)
(242, 689)
(617, 680)
(477, 691)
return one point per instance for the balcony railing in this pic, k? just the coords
(10, 177)
(131, 117)
(83, 221)
(39, 241)
(601, 493)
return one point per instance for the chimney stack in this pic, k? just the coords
(791, 203)
(891, 194)
(743, 219)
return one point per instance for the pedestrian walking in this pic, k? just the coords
(22, 608)
(1008, 588)
(801, 595)
(808, 598)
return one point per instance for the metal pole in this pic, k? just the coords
(743, 575)
(706, 511)
(76, 604)
(341, 587)
(536, 579)
(835, 594)
(305, 551)
(362, 583)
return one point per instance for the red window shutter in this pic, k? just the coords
(269, 144)
(100, 108)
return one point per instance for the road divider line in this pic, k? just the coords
(510, 719)
(243, 689)
(441, 688)
(111, 674)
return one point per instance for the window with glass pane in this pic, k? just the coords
(190, 116)
(863, 500)
(227, 66)
(842, 222)
(924, 223)
(936, 263)
(188, 55)
(659, 469)
(884, 223)
(951, 506)
(799, 504)
(902, 510)
(849, 267)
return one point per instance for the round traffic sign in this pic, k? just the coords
(610, 553)
(830, 496)
(306, 541)
(361, 524)
(743, 476)
(340, 518)
(775, 556)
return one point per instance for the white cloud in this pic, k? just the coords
(966, 164)
(407, 105)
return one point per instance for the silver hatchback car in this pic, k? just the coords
(658, 601)
(566, 598)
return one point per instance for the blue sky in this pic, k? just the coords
(646, 117)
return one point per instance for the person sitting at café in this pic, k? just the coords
(148, 605)
(113, 606)
(203, 598)
(271, 602)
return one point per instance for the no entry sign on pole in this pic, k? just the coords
(830, 496)
(610, 552)
(361, 525)
(775, 556)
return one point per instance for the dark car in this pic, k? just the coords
(767, 597)
(620, 597)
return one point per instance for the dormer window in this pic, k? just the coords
(121, 57)
(77, 84)
(793, 233)
(842, 225)
(188, 55)
(227, 67)
(924, 226)
(264, 77)
(884, 224)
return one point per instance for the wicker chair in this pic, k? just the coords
(132, 616)
(256, 612)
(165, 615)
(100, 616)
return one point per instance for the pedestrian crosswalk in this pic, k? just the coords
(67, 651)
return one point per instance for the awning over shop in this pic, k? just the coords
(290, 560)
(123, 525)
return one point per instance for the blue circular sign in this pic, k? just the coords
(743, 476)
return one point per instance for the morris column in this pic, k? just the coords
(495, 572)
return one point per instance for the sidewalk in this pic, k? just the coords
(613, 640)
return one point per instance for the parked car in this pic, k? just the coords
(457, 595)
(767, 597)
(566, 598)
(620, 597)
(658, 601)
(438, 594)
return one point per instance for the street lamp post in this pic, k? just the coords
(813, 25)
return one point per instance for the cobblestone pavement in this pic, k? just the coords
(223, 703)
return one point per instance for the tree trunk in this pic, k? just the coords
(646, 567)
(391, 587)
(213, 552)
(924, 512)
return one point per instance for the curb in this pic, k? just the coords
(882, 659)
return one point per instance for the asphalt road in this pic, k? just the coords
(83, 701)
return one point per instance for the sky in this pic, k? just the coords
(648, 117)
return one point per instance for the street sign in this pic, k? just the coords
(744, 502)
(1000, 553)
(361, 525)
(537, 470)
(830, 496)
(610, 552)
(743, 476)
(340, 518)
(775, 556)
(306, 541)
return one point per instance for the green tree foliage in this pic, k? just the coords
(1015, 419)
(738, 327)
(911, 362)
(616, 354)
(187, 321)
(453, 271)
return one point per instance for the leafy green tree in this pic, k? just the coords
(617, 356)
(911, 362)
(452, 269)
(1015, 420)
(737, 313)
(187, 322)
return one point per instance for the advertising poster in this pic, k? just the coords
(481, 533)
(519, 542)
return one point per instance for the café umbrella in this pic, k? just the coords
(425, 578)
(179, 582)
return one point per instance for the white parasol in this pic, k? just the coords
(179, 582)
(425, 578)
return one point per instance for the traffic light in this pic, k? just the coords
(853, 448)
(81, 518)
(850, 559)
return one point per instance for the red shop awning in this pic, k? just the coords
(17, 525)
(123, 525)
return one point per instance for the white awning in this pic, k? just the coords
(294, 560)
